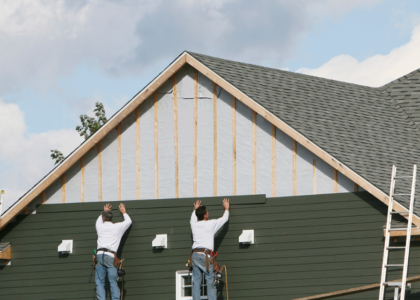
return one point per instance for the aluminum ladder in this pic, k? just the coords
(385, 266)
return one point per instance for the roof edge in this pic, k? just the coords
(296, 135)
(88, 144)
(181, 60)
(398, 80)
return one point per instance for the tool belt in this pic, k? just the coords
(117, 261)
(208, 253)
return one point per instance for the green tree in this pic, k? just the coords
(89, 126)
(57, 156)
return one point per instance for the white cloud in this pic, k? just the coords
(374, 71)
(42, 41)
(25, 159)
(45, 40)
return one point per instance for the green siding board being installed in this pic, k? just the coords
(304, 245)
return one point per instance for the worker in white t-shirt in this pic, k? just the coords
(203, 231)
(109, 238)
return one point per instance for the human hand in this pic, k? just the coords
(122, 208)
(226, 203)
(107, 207)
(197, 204)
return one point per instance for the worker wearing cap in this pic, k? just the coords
(203, 231)
(109, 238)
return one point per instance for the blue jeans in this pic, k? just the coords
(106, 265)
(199, 267)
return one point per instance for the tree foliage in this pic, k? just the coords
(88, 127)
(57, 156)
(89, 124)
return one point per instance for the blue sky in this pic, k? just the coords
(59, 58)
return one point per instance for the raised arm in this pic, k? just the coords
(197, 204)
(127, 220)
(221, 221)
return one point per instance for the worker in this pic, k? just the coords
(109, 237)
(203, 231)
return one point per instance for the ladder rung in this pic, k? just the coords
(386, 266)
(400, 212)
(395, 248)
(403, 177)
(401, 195)
(398, 229)
(393, 283)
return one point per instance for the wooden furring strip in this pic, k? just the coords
(273, 161)
(94, 140)
(195, 129)
(254, 152)
(314, 167)
(335, 176)
(155, 104)
(234, 143)
(215, 139)
(294, 167)
(99, 172)
(43, 197)
(138, 153)
(147, 91)
(82, 183)
(301, 139)
(63, 188)
(175, 93)
(119, 162)
(356, 187)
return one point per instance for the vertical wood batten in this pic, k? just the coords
(273, 182)
(119, 162)
(99, 172)
(43, 197)
(314, 166)
(155, 104)
(215, 138)
(63, 188)
(195, 129)
(82, 183)
(294, 168)
(335, 176)
(254, 152)
(138, 153)
(175, 93)
(234, 142)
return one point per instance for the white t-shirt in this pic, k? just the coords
(204, 231)
(110, 234)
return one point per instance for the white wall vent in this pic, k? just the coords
(247, 237)
(160, 241)
(66, 246)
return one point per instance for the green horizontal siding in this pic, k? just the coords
(304, 245)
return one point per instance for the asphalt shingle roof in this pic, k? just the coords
(368, 129)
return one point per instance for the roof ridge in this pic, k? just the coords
(403, 113)
(289, 72)
(398, 80)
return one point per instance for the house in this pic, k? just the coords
(306, 162)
